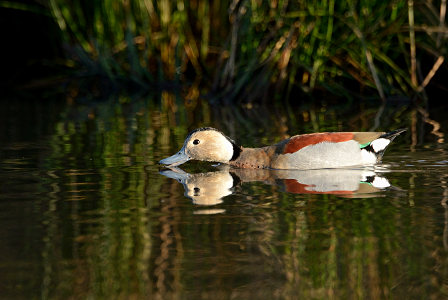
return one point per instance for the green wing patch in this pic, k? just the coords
(364, 145)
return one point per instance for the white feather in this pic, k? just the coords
(380, 182)
(368, 157)
(326, 155)
(379, 144)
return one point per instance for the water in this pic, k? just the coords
(85, 211)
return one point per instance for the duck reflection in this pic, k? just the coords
(203, 188)
(211, 187)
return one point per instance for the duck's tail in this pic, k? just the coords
(379, 145)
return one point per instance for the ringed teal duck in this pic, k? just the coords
(307, 151)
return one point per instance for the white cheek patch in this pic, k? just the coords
(227, 150)
(379, 144)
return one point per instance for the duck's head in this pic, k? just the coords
(207, 144)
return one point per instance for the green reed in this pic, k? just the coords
(245, 49)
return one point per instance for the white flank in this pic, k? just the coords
(380, 144)
(323, 155)
(368, 157)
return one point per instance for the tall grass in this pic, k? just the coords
(143, 41)
(246, 49)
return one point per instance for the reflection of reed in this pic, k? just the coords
(108, 246)
(170, 237)
(51, 232)
(266, 243)
(444, 203)
(435, 125)
(162, 261)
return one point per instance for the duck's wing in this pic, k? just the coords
(364, 138)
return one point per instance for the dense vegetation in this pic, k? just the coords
(251, 49)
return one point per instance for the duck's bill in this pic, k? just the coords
(175, 160)
(175, 173)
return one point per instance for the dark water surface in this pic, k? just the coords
(85, 211)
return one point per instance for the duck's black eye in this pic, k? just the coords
(197, 191)
(196, 142)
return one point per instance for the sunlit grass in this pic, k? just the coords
(245, 49)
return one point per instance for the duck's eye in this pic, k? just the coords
(196, 142)
(197, 191)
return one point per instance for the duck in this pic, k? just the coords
(300, 152)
